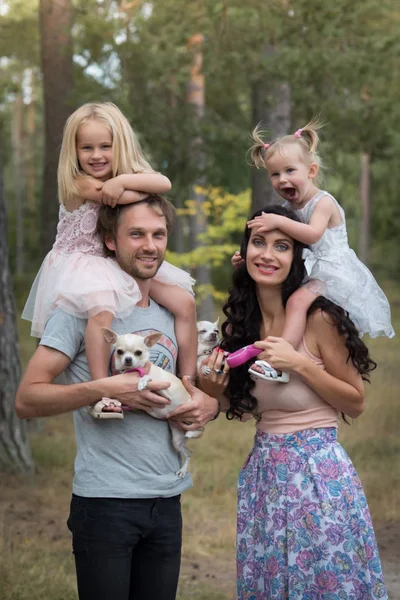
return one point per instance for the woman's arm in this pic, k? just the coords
(307, 234)
(340, 385)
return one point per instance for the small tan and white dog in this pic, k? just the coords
(207, 339)
(132, 352)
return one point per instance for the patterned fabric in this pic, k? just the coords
(77, 277)
(346, 280)
(76, 230)
(304, 530)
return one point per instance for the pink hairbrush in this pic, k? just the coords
(242, 355)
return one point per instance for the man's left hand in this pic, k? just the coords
(198, 413)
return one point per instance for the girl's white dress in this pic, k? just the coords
(76, 276)
(346, 280)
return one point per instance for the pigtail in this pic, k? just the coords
(258, 149)
(309, 133)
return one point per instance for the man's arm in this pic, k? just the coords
(37, 396)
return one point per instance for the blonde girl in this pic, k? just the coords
(101, 162)
(333, 269)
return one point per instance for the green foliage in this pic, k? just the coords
(340, 59)
(226, 215)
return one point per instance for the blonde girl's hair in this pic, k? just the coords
(128, 156)
(306, 138)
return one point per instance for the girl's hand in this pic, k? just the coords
(112, 191)
(214, 382)
(264, 222)
(279, 354)
(236, 260)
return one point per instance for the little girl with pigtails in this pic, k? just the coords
(101, 162)
(333, 269)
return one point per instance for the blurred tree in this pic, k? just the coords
(56, 54)
(15, 452)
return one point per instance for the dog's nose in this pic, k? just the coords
(128, 361)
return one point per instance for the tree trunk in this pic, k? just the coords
(56, 50)
(365, 220)
(15, 453)
(196, 97)
(30, 142)
(17, 143)
(270, 106)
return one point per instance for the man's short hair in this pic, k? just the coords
(108, 219)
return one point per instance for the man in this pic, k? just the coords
(125, 513)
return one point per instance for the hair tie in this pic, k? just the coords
(298, 133)
(266, 146)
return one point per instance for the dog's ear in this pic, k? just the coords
(216, 323)
(152, 339)
(109, 335)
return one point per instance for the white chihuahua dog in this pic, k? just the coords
(132, 352)
(207, 339)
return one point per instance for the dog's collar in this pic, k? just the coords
(139, 370)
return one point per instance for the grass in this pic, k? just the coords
(36, 558)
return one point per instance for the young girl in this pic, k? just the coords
(101, 162)
(333, 269)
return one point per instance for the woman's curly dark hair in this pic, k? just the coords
(243, 321)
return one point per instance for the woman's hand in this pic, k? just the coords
(213, 374)
(279, 354)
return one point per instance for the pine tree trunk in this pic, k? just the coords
(196, 97)
(15, 453)
(365, 220)
(17, 142)
(56, 49)
(271, 106)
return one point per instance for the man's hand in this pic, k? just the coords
(124, 388)
(198, 413)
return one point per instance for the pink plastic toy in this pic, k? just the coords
(242, 355)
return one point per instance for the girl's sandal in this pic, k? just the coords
(268, 373)
(97, 410)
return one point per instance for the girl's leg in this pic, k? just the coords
(98, 356)
(296, 315)
(295, 326)
(183, 307)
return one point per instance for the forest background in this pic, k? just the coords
(193, 78)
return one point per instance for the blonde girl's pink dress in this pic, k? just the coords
(77, 277)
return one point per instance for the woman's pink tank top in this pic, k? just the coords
(293, 406)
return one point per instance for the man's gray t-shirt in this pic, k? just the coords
(129, 458)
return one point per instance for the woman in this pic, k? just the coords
(304, 529)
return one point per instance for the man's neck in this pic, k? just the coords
(144, 287)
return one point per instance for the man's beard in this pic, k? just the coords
(132, 266)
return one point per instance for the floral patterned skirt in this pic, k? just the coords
(304, 530)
